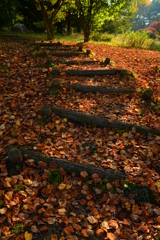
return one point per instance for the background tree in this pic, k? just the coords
(50, 9)
(8, 12)
(99, 11)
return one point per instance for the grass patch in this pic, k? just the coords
(17, 229)
(54, 176)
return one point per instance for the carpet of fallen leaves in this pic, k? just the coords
(79, 207)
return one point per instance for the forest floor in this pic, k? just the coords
(46, 202)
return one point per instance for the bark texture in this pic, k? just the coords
(101, 122)
(70, 167)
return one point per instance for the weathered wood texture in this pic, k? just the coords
(93, 72)
(72, 62)
(101, 122)
(44, 44)
(70, 167)
(67, 54)
(94, 89)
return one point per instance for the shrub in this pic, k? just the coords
(137, 39)
(106, 37)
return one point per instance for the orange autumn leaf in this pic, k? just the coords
(54, 237)
(68, 230)
(43, 228)
(135, 209)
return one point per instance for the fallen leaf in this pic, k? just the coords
(68, 230)
(43, 228)
(28, 236)
(135, 209)
(84, 174)
(113, 224)
(3, 210)
(92, 219)
(34, 229)
(62, 186)
(54, 237)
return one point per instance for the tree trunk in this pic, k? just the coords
(86, 34)
(47, 22)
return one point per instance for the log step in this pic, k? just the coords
(70, 167)
(93, 72)
(100, 121)
(95, 89)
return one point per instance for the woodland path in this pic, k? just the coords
(78, 111)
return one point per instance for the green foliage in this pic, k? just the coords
(17, 229)
(14, 135)
(20, 187)
(120, 132)
(128, 186)
(52, 91)
(105, 180)
(17, 167)
(54, 176)
(137, 39)
(97, 36)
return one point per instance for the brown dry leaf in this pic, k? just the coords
(28, 236)
(72, 238)
(62, 203)
(34, 229)
(95, 175)
(100, 232)
(62, 211)
(41, 210)
(43, 228)
(83, 201)
(98, 191)
(68, 230)
(84, 233)
(51, 220)
(77, 227)
(135, 209)
(158, 219)
(143, 228)
(92, 219)
(128, 205)
(84, 174)
(18, 123)
(45, 192)
(8, 195)
(54, 237)
(1, 193)
(157, 211)
(7, 184)
(111, 236)
(113, 224)
(3, 210)
(100, 150)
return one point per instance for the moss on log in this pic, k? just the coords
(101, 122)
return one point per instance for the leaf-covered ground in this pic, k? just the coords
(35, 202)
